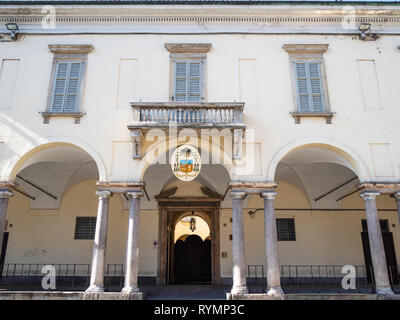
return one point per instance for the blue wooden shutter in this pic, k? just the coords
(316, 86)
(71, 99)
(66, 87)
(188, 81)
(302, 87)
(180, 81)
(60, 83)
(194, 81)
(309, 87)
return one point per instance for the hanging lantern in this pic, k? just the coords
(193, 224)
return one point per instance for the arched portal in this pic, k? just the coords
(54, 205)
(322, 172)
(47, 172)
(191, 250)
(176, 199)
(318, 199)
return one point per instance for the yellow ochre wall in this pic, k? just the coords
(322, 238)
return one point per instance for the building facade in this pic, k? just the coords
(292, 107)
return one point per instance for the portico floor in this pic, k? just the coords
(188, 292)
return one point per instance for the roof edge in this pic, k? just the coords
(198, 2)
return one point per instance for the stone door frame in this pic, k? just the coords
(169, 209)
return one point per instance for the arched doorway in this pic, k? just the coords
(192, 251)
(319, 194)
(176, 199)
(54, 206)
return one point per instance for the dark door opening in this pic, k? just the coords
(3, 252)
(192, 261)
(390, 252)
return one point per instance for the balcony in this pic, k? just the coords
(147, 115)
(204, 115)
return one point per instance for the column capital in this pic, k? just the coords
(269, 195)
(135, 194)
(237, 194)
(103, 194)
(369, 195)
(6, 193)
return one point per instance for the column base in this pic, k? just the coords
(94, 288)
(276, 292)
(130, 290)
(112, 296)
(239, 290)
(384, 290)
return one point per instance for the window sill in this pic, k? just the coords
(327, 115)
(77, 115)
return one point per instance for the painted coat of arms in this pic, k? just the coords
(186, 162)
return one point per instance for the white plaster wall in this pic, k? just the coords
(104, 125)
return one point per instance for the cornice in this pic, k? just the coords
(381, 187)
(306, 48)
(317, 14)
(188, 47)
(320, 20)
(71, 48)
(121, 187)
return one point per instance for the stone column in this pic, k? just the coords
(132, 246)
(376, 244)
(271, 246)
(5, 194)
(100, 244)
(238, 248)
(397, 197)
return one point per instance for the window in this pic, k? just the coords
(67, 81)
(188, 81)
(85, 228)
(309, 87)
(311, 96)
(66, 89)
(188, 71)
(285, 229)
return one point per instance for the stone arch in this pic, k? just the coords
(144, 164)
(200, 214)
(356, 162)
(16, 163)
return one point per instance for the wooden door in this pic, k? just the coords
(3, 252)
(390, 254)
(192, 260)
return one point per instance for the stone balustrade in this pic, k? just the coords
(146, 114)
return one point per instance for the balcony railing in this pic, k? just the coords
(196, 115)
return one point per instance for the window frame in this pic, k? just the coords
(308, 77)
(70, 54)
(294, 230)
(187, 76)
(188, 52)
(76, 227)
(303, 53)
(80, 87)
